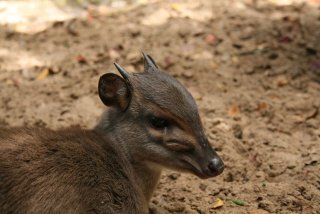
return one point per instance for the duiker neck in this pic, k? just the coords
(124, 140)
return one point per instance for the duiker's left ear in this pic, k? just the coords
(114, 91)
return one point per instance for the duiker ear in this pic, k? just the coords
(149, 63)
(114, 91)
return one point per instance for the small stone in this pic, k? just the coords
(155, 201)
(114, 54)
(256, 189)
(54, 69)
(267, 206)
(282, 81)
(291, 166)
(174, 176)
(235, 60)
(182, 199)
(237, 131)
(176, 207)
(196, 95)
(223, 126)
(203, 186)
(204, 55)
(201, 210)
(260, 174)
(210, 39)
(187, 74)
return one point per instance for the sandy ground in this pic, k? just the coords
(252, 65)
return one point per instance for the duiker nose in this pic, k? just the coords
(215, 166)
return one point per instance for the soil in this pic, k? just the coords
(253, 67)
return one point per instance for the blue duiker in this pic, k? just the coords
(152, 122)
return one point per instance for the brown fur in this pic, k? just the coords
(74, 171)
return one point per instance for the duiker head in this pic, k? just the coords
(157, 120)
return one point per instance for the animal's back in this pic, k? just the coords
(72, 171)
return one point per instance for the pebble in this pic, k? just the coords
(187, 74)
(176, 207)
(174, 176)
(237, 131)
(203, 186)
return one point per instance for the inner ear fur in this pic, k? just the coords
(113, 91)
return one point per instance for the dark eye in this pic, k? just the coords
(158, 122)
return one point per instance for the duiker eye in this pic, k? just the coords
(158, 122)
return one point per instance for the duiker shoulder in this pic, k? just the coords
(70, 170)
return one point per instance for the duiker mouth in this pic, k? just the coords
(214, 168)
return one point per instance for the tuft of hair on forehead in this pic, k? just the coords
(166, 92)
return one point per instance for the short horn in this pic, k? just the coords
(125, 76)
(123, 72)
(149, 63)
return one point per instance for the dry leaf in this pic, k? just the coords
(309, 115)
(262, 106)
(81, 59)
(187, 74)
(234, 110)
(43, 74)
(217, 203)
(282, 81)
(313, 113)
(176, 6)
(235, 60)
(210, 39)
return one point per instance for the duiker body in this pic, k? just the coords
(152, 123)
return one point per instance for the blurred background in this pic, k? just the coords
(253, 67)
(31, 16)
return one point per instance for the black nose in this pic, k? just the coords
(215, 166)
